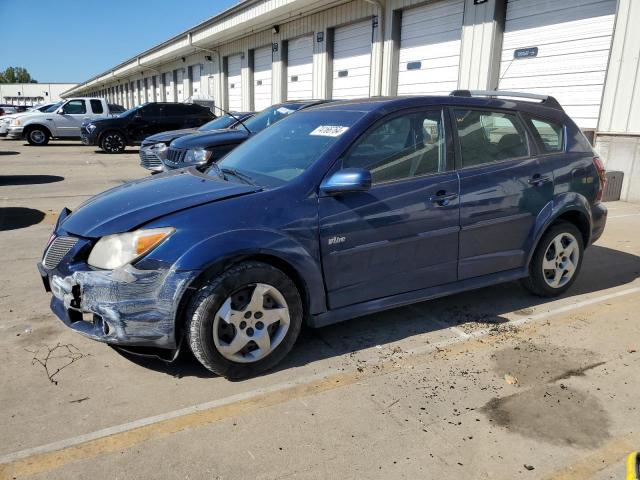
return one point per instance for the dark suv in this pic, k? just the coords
(204, 148)
(131, 127)
(338, 211)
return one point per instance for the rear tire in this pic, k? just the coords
(113, 142)
(244, 321)
(556, 263)
(37, 136)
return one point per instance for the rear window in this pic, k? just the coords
(550, 134)
(96, 106)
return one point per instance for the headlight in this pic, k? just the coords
(90, 127)
(114, 251)
(160, 149)
(16, 122)
(197, 156)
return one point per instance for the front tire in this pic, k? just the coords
(556, 263)
(38, 136)
(244, 321)
(113, 142)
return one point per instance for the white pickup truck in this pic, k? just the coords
(64, 122)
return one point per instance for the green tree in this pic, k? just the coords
(16, 75)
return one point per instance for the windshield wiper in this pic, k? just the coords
(242, 176)
(216, 169)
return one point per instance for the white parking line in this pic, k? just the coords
(73, 441)
(624, 215)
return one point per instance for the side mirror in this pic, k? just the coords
(347, 180)
(60, 112)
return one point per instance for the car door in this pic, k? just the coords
(155, 119)
(69, 118)
(402, 234)
(97, 109)
(503, 188)
(140, 125)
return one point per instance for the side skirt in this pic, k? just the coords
(400, 300)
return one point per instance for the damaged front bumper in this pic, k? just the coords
(126, 306)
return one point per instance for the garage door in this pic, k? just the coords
(430, 40)
(149, 85)
(196, 75)
(261, 78)
(560, 49)
(179, 85)
(352, 60)
(168, 87)
(300, 68)
(234, 82)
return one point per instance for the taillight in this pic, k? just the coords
(597, 162)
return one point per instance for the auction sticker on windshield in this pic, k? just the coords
(329, 130)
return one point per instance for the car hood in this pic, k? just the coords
(110, 121)
(167, 137)
(210, 138)
(128, 206)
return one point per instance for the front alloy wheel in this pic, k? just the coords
(37, 137)
(245, 320)
(113, 142)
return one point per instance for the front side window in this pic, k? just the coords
(487, 137)
(550, 134)
(271, 115)
(406, 146)
(96, 106)
(75, 107)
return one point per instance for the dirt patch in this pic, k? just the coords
(554, 413)
(534, 363)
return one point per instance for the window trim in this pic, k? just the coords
(537, 139)
(458, 150)
(448, 145)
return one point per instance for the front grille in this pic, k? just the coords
(176, 155)
(149, 159)
(57, 250)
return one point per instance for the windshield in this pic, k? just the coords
(287, 149)
(126, 113)
(53, 107)
(221, 122)
(271, 115)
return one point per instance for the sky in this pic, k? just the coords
(73, 40)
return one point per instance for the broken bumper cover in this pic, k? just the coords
(120, 307)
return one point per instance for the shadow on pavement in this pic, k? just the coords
(102, 152)
(603, 268)
(9, 152)
(13, 218)
(6, 180)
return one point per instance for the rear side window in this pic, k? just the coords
(176, 110)
(403, 147)
(96, 106)
(550, 134)
(487, 137)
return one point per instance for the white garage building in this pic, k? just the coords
(259, 52)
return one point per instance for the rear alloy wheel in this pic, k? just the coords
(37, 136)
(556, 261)
(245, 321)
(113, 142)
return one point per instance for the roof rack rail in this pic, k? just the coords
(546, 100)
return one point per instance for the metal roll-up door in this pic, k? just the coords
(196, 76)
(168, 82)
(352, 60)
(560, 49)
(261, 78)
(179, 85)
(300, 68)
(234, 82)
(430, 41)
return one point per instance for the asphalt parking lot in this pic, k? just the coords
(489, 384)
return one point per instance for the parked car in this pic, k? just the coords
(131, 127)
(6, 120)
(153, 149)
(203, 148)
(64, 122)
(338, 211)
(8, 110)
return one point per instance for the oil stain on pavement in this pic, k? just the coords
(545, 408)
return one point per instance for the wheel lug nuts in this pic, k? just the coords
(247, 315)
(250, 331)
(257, 315)
(243, 325)
(259, 325)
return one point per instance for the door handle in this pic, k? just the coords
(538, 180)
(442, 199)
